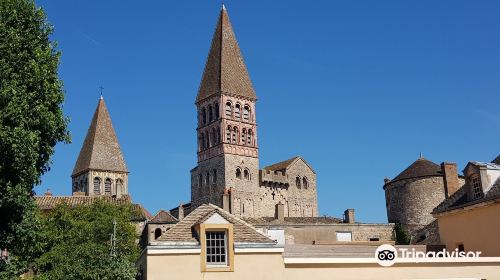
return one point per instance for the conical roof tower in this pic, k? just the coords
(100, 162)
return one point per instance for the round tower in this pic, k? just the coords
(413, 194)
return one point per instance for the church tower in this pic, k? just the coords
(228, 159)
(100, 169)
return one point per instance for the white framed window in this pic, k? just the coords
(216, 248)
(477, 191)
(344, 236)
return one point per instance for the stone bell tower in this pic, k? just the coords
(227, 128)
(100, 168)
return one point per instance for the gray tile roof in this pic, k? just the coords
(100, 150)
(225, 71)
(460, 198)
(184, 230)
(497, 160)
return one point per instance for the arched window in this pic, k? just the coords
(214, 176)
(249, 138)
(238, 173)
(229, 109)
(216, 110)
(235, 135)
(297, 182)
(204, 116)
(305, 183)
(203, 141)
(107, 186)
(246, 174)
(217, 134)
(243, 136)
(118, 186)
(237, 111)
(200, 180)
(228, 134)
(97, 185)
(157, 233)
(210, 113)
(246, 113)
(200, 143)
(213, 137)
(209, 140)
(207, 179)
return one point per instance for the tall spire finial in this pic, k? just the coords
(101, 88)
(421, 156)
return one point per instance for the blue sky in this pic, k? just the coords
(358, 88)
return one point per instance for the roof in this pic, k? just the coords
(460, 199)
(164, 217)
(497, 160)
(282, 165)
(420, 168)
(47, 202)
(184, 231)
(225, 70)
(293, 221)
(488, 165)
(100, 150)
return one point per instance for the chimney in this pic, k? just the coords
(349, 216)
(450, 178)
(48, 192)
(280, 212)
(181, 212)
(226, 205)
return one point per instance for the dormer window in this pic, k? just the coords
(477, 191)
(216, 246)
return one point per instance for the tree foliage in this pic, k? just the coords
(76, 243)
(402, 236)
(31, 120)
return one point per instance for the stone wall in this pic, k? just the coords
(309, 234)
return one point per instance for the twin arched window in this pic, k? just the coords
(299, 183)
(238, 173)
(213, 114)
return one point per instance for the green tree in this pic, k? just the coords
(402, 236)
(77, 243)
(31, 121)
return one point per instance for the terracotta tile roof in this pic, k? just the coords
(225, 70)
(184, 230)
(282, 165)
(49, 202)
(420, 168)
(164, 217)
(293, 221)
(460, 198)
(100, 150)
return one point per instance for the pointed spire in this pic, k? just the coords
(100, 150)
(225, 70)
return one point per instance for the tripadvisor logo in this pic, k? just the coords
(386, 255)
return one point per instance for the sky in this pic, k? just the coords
(357, 88)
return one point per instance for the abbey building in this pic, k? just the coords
(228, 152)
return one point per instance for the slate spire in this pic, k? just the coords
(100, 150)
(225, 70)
